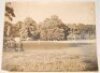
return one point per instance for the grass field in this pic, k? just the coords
(52, 57)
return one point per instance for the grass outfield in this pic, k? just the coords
(52, 57)
(56, 44)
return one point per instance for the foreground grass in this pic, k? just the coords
(69, 58)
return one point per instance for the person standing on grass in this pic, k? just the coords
(12, 43)
(19, 45)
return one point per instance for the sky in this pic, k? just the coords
(68, 12)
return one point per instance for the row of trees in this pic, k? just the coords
(50, 29)
(82, 31)
(53, 29)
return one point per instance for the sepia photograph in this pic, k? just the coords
(49, 37)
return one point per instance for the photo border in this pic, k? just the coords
(2, 10)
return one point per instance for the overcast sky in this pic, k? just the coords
(68, 12)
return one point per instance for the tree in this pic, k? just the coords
(55, 29)
(9, 10)
(29, 29)
(8, 27)
(18, 28)
(9, 14)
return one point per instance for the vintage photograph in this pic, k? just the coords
(49, 37)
